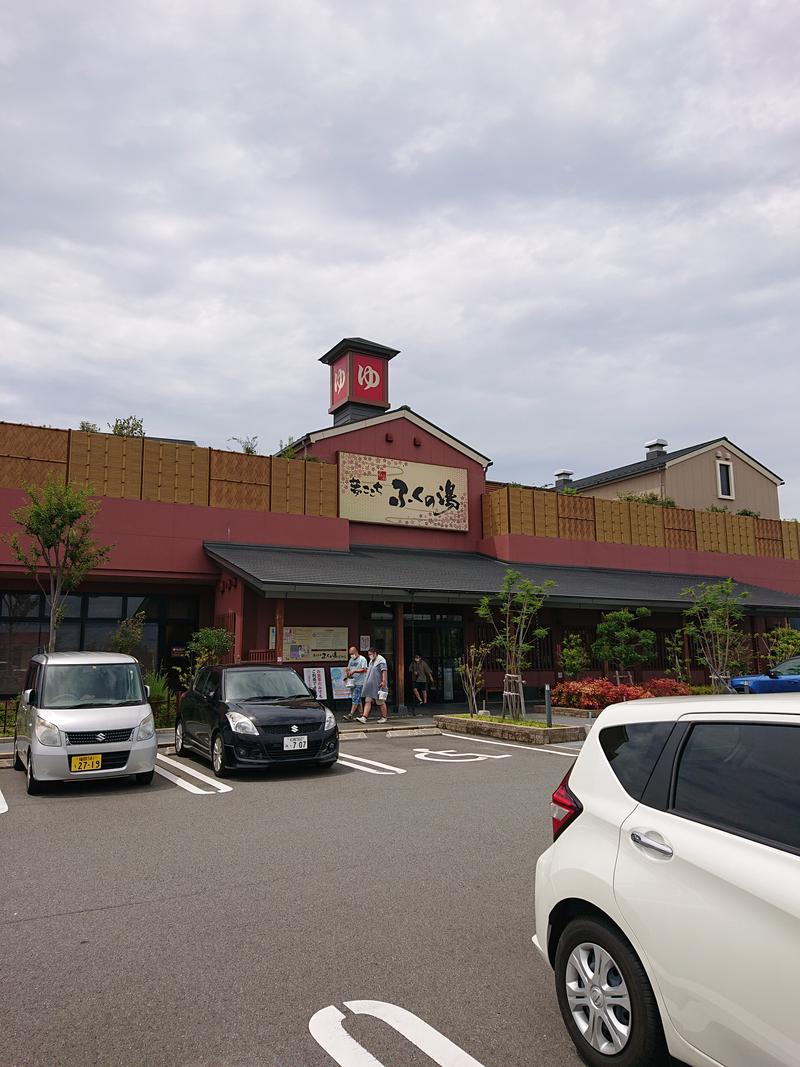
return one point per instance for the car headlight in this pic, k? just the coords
(46, 732)
(147, 727)
(330, 719)
(240, 724)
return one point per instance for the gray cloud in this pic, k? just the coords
(580, 224)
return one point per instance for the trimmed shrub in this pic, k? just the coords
(667, 687)
(598, 693)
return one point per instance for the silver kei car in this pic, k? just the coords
(84, 716)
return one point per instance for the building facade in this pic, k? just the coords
(380, 529)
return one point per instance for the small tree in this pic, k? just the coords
(130, 426)
(248, 445)
(677, 665)
(470, 668)
(622, 643)
(208, 645)
(60, 549)
(574, 658)
(88, 427)
(128, 635)
(712, 619)
(780, 644)
(511, 618)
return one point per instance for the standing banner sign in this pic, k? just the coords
(314, 678)
(338, 687)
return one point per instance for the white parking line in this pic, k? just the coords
(547, 749)
(358, 767)
(3, 805)
(184, 785)
(374, 763)
(220, 787)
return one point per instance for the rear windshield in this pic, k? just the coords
(263, 684)
(92, 685)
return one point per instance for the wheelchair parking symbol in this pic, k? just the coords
(451, 756)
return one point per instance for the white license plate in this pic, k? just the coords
(291, 744)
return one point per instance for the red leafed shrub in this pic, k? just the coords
(597, 693)
(667, 687)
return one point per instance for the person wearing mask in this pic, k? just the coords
(354, 674)
(421, 678)
(376, 687)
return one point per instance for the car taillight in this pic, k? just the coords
(565, 807)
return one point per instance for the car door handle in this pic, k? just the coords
(645, 841)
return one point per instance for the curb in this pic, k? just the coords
(389, 731)
(530, 735)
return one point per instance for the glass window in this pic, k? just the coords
(21, 605)
(725, 479)
(791, 666)
(263, 684)
(104, 607)
(68, 637)
(19, 640)
(200, 680)
(632, 750)
(92, 685)
(150, 605)
(97, 636)
(181, 607)
(743, 778)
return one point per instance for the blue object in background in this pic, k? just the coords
(785, 678)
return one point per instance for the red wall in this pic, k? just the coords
(783, 574)
(166, 540)
(371, 441)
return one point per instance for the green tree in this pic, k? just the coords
(57, 546)
(248, 445)
(781, 644)
(511, 619)
(127, 638)
(130, 426)
(205, 646)
(88, 427)
(713, 619)
(677, 667)
(574, 658)
(621, 642)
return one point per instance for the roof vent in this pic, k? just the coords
(656, 448)
(563, 478)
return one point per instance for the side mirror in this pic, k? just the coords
(147, 691)
(773, 674)
(312, 692)
(29, 697)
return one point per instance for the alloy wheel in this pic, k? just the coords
(179, 737)
(598, 998)
(217, 754)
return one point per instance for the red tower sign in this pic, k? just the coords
(359, 378)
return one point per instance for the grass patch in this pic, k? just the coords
(500, 719)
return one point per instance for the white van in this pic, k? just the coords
(84, 715)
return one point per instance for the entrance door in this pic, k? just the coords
(439, 638)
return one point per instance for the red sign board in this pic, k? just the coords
(340, 380)
(361, 378)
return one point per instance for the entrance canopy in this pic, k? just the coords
(393, 574)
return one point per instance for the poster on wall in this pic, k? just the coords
(364, 642)
(401, 493)
(314, 677)
(340, 690)
(314, 644)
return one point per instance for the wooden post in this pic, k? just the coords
(280, 611)
(400, 656)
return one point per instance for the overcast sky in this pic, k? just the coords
(579, 222)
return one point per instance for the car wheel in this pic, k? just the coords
(18, 764)
(218, 761)
(34, 786)
(144, 777)
(605, 997)
(180, 744)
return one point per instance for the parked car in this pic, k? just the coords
(84, 715)
(785, 678)
(668, 904)
(252, 715)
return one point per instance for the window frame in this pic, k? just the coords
(734, 831)
(720, 495)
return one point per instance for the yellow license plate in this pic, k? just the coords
(85, 763)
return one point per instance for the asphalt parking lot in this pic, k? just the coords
(292, 917)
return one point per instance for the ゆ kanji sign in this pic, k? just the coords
(377, 489)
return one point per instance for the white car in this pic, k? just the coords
(83, 716)
(668, 904)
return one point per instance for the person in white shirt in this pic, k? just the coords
(354, 674)
(376, 687)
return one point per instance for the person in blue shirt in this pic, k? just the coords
(354, 679)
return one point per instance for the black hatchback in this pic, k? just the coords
(253, 715)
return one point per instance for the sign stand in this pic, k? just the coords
(513, 696)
